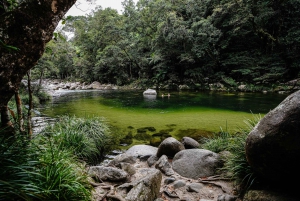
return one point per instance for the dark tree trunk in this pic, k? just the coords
(19, 111)
(29, 126)
(28, 28)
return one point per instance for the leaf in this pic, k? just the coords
(8, 47)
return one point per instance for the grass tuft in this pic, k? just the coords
(235, 164)
(88, 138)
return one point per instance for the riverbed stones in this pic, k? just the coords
(151, 160)
(190, 143)
(179, 184)
(196, 163)
(122, 158)
(169, 147)
(273, 146)
(129, 168)
(145, 188)
(194, 187)
(164, 166)
(142, 151)
(103, 173)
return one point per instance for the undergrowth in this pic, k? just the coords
(235, 166)
(51, 166)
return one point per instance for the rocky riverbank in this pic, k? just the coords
(175, 171)
(56, 87)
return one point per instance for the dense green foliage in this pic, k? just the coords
(50, 166)
(181, 42)
(87, 138)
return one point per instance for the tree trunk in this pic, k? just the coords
(19, 111)
(40, 81)
(27, 28)
(29, 125)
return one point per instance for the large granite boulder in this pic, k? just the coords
(196, 163)
(169, 147)
(273, 146)
(141, 151)
(190, 143)
(145, 187)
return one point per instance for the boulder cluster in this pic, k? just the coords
(174, 170)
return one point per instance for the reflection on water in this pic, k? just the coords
(190, 113)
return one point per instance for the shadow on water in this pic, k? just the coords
(150, 119)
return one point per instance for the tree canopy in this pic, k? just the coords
(174, 42)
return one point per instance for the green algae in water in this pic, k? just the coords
(191, 114)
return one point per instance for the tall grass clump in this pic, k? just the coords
(13, 154)
(31, 171)
(235, 164)
(58, 174)
(88, 138)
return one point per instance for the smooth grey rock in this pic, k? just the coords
(169, 180)
(107, 173)
(273, 146)
(122, 158)
(150, 92)
(169, 147)
(141, 151)
(129, 168)
(179, 184)
(190, 143)
(145, 188)
(164, 166)
(196, 163)
(194, 187)
(151, 160)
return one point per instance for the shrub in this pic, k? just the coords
(57, 175)
(13, 154)
(42, 96)
(40, 170)
(88, 138)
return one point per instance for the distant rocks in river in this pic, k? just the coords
(150, 92)
(56, 87)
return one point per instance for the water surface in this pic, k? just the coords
(191, 114)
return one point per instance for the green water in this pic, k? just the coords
(193, 114)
